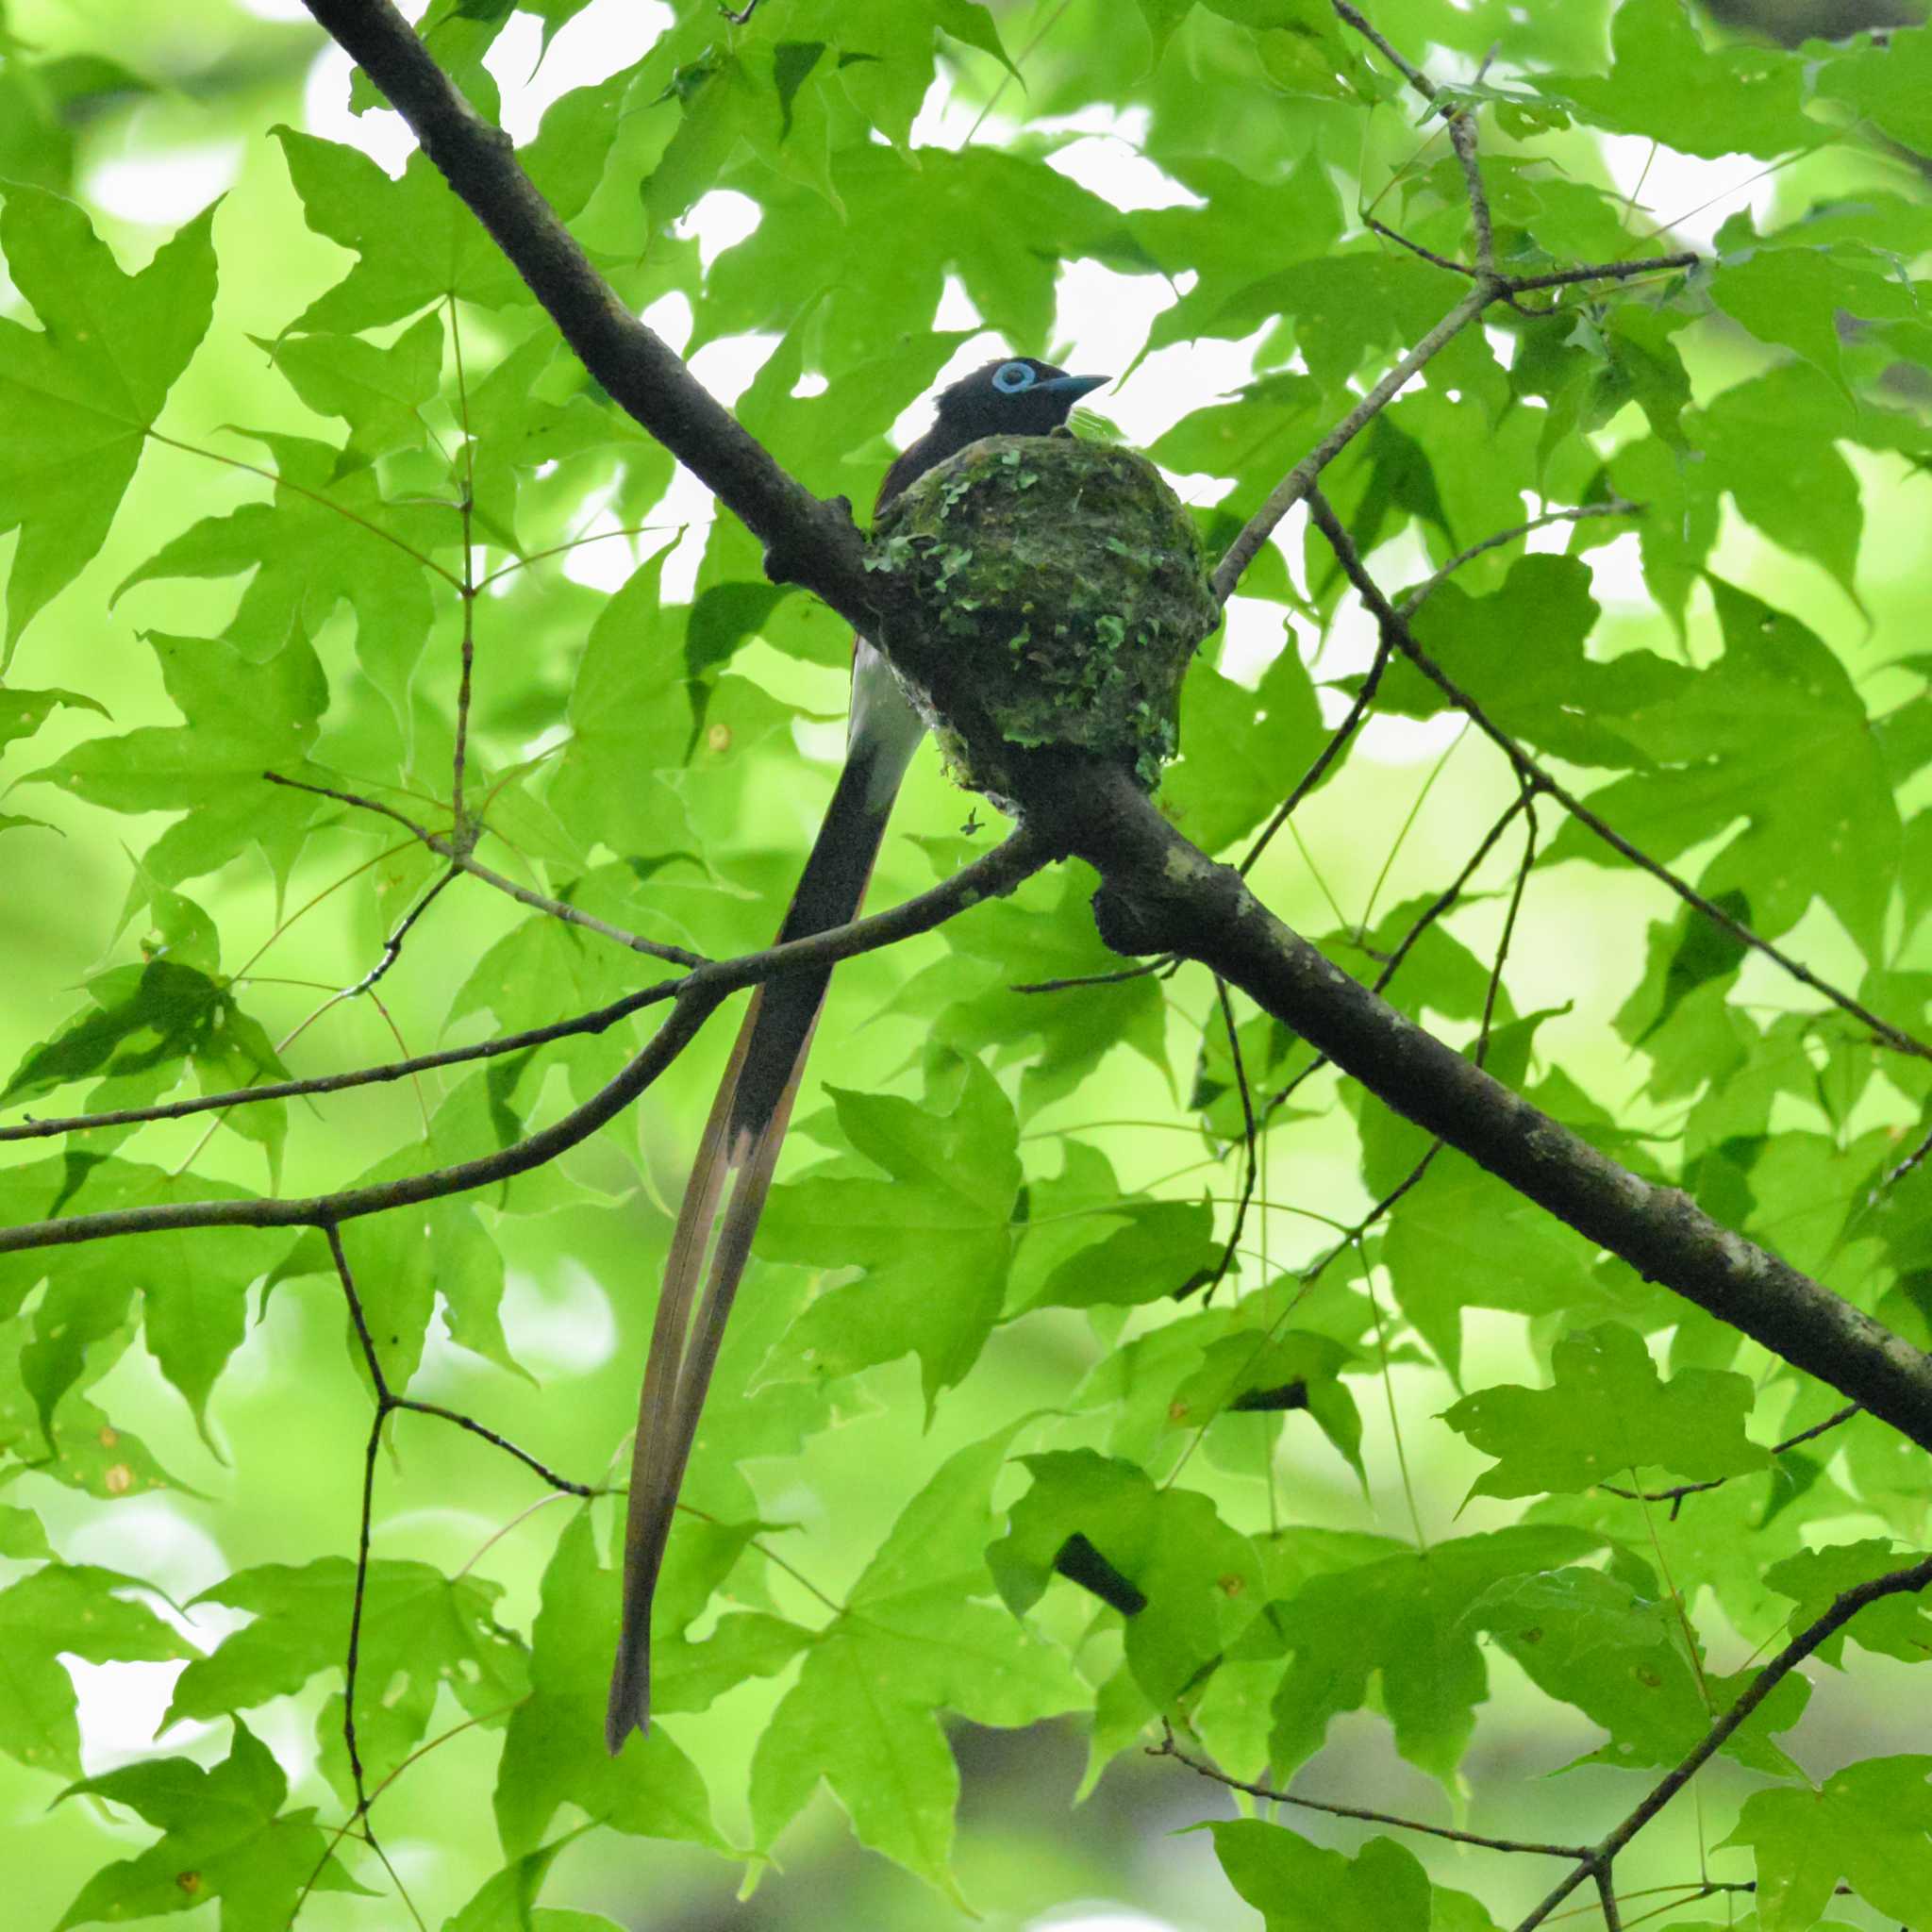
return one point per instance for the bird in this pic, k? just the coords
(1018, 396)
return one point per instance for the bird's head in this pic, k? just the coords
(1016, 397)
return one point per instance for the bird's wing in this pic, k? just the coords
(743, 1135)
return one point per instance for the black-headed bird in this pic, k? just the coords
(1016, 397)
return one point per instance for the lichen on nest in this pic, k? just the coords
(1070, 578)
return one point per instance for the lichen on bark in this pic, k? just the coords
(1065, 583)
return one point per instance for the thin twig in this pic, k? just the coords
(1397, 626)
(1600, 271)
(374, 1363)
(1606, 1897)
(1250, 1135)
(1272, 1794)
(1428, 254)
(1414, 75)
(1444, 902)
(455, 849)
(1301, 479)
(1419, 595)
(1462, 138)
(692, 998)
(598, 1020)
(1675, 1497)
(393, 946)
(561, 1483)
(314, 496)
(1843, 1608)
(459, 813)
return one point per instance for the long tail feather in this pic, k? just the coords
(743, 1134)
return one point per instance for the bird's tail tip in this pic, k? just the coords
(629, 1708)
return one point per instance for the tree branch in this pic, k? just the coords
(458, 851)
(1396, 628)
(1844, 1607)
(692, 1000)
(1162, 895)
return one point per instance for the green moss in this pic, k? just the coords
(1072, 577)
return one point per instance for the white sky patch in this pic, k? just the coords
(607, 36)
(1616, 572)
(669, 317)
(956, 309)
(1257, 631)
(721, 218)
(945, 120)
(1107, 160)
(383, 134)
(1690, 197)
(728, 366)
(162, 186)
(120, 1705)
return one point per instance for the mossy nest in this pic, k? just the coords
(1064, 581)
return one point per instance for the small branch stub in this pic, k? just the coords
(1061, 592)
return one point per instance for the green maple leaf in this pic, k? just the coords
(1591, 1641)
(1043, 932)
(908, 1643)
(327, 536)
(1898, 1626)
(1607, 1414)
(420, 1631)
(242, 718)
(1665, 83)
(553, 1748)
(79, 396)
(379, 393)
(507, 1901)
(1463, 1240)
(1198, 1581)
(1869, 1825)
(193, 1282)
(1238, 748)
(67, 1608)
(445, 1250)
(1554, 697)
(1002, 222)
(414, 240)
(882, 50)
(1887, 80)
(1775, 732)
(224, 1836)
(1403, 1618)
(1297, 1887)
(1808, 504)
(75, 1442)
(934, 1238)
(1256, 436)
(1152, 1250)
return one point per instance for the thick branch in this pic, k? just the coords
(1162, 895)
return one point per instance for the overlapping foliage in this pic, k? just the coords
(314, 490)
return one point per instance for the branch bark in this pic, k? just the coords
(1160, 893)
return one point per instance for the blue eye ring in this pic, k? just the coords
(1010, 378)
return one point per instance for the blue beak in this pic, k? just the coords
(1072, 385)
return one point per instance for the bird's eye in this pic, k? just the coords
(1010, 378)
